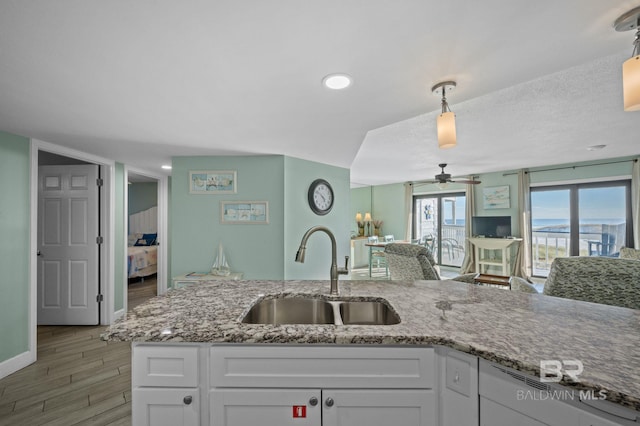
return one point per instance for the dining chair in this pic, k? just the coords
(377, 255)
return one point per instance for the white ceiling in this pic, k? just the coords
(142, 81)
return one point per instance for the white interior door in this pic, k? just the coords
(67, 245)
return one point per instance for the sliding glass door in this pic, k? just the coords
(438, 223)
(579, 220)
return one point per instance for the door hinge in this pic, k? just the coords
(99, 298)
(99, 182)
(99, 239)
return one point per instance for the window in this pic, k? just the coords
(438, 223)
(591, 219)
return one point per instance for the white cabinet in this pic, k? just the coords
(166, 407)
(242, 407)
(165, 385)
(379, 407)
(243, 384)
(314, 407)
(322, 386)
(509, 397)
(359, 252)
(494, 414)
(458, 388)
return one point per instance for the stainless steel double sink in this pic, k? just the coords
(309, 310)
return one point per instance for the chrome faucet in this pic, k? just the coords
(335, 271)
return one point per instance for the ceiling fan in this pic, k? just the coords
(444, 178)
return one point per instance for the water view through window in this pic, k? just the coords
(577, 220)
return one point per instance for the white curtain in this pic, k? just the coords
(469, 264)
(635, 202)
(523, 259)
(408, 204)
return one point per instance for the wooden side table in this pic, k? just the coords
(195, 277)
(493, 280)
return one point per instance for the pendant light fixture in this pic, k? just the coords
(631, 67)
(446, 123)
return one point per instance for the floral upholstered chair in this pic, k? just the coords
(416, 262)
(606, 280)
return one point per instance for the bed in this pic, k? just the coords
(142, 245)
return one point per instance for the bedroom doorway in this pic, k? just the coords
(144, 257)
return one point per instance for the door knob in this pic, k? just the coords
(329, 402)
(39, 254)
(187, 399)
(313, 401)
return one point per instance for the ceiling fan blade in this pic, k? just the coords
(467, 182)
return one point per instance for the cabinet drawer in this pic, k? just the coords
(322, 366)
(165, 366)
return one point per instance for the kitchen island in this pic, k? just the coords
(512, 329)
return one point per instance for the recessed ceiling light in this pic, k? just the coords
(595, 147)
(166, 166)
(337, 81)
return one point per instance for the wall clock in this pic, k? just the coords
(320, 197)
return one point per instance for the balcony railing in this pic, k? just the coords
(548, 244)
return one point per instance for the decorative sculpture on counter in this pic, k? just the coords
(220, 266)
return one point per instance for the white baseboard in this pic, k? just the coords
(16, 363)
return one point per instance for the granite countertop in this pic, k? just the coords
(514, 329)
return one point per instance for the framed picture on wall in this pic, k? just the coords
(496, 197)
(213, 182)
(244, 212)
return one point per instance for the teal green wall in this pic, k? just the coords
(298, 175)
(259, 251)
(14, 245)
(490, 180)
(388, 205)
(385, 203)
(142, 196)
(118, 264)
(196, 231)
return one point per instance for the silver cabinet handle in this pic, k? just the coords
(187, 399)
(313, 401)
(329, 402)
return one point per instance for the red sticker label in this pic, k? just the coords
(299, 411)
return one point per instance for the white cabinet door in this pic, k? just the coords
(165, 407)
(358, 407)
(458, 387)
(265, 407)
(494, 414)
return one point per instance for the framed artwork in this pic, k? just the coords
(213, 182)
(496, 197)
(244, 212)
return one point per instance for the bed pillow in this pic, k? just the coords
(147, 240)
(133, 238)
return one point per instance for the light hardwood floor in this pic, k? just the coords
(78, 379)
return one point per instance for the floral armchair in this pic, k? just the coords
(415, 262)
(606, 280)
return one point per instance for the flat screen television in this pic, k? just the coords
(491, 226)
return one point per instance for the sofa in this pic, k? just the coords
(416, 262)
(606, 280)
